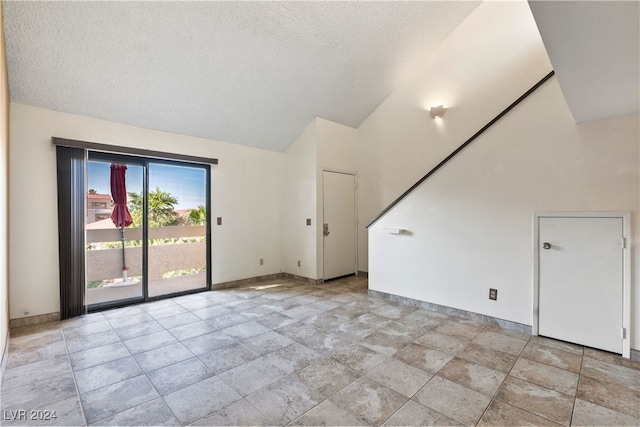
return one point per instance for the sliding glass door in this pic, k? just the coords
(159, 245)
(177, 223)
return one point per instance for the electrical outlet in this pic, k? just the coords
(308, 221)
(219, 220)
(298, 263)
(493, 294)
(261, 261)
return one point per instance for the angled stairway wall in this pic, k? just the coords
(470, 224)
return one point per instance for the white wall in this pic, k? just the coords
(300, 240)
(4, 195)
(492, 58)
(247, 192)
(470, 224)
(337, 147)
(323, 145)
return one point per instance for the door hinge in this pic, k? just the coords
(624, 333)
(624, 243)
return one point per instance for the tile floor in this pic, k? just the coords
(285, 353)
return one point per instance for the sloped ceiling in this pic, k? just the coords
(251, 73)
(594, 47)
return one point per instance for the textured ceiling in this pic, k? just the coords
(251, 73)
(594, 47)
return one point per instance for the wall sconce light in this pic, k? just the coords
(438, 112)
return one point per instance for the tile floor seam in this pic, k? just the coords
(538, 385)
(132, 356)
(495, 394)
(328, 398)
(172, 411)
(73, 373)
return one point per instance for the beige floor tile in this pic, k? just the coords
(466, 329)
(285, 400)
(163, 356)
(514, 334)
(208, 342)
(90, 328)
(547, 376)
(609, 395)
(443, 342)
(369, 401)
(35, 372)
(293, 358)
(473, 376)
(31, 337)
(503, 414)
(500, 342)
(394, 312)
(541, 401)
(267, 342)
(201, 399)
(590, 414)
(106, 374)
(149, 342)
(489, 358)
(276, 321)
(383, 343)
(616, 359)
(415, 414)
(560, 345)
(455, 401)
(611, 372)
(137, 331)
(178, 320)
(422, 357)
(324, 321)
(252, 376)
(359, 358)
(227, 357)
(99, 355)
(155, 413)
(39, 353)
(328, 414)
(327, 377)
(553, 357)
(191, 330)
(425, 319)
(86, 342)
(112, 399)
(179, 375)
(240, 413)
(400, 377)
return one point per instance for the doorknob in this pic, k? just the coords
(546, 245)
(325, 229)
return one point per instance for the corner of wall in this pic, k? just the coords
(4, 198)
(299, 239)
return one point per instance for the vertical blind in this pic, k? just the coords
(71, 238)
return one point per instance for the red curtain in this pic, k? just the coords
(120, 215)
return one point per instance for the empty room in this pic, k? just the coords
(320, 213)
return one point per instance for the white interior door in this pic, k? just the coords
(581, 279)
(339, 224)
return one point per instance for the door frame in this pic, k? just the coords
(145, 162)
(626, 274)
(320, 232)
